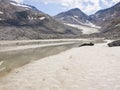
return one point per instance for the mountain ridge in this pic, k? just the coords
(20, 21)
(73, 16)
(108, 19)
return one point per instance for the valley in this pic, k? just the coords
(68, 51)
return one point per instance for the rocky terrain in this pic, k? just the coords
(73, 16)
(19, 21)
(107, 21)
(78, 19)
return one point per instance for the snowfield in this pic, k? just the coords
(85, 29)
(81, 68)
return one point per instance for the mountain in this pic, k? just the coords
(78, 19)
(103, 16)
(73, 16)
(109, 20)
(104, 23)
(20, 21)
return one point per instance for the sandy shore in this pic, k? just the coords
(81, 68)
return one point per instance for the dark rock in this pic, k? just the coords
(87, 44)
(114, 43)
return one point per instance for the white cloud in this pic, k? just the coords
(88, 6)
(115, 1)
(91, 6)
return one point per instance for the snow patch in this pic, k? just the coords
(1, 12)
(85, 29)
(76, 16)
(18, 4)
(42, 18)
(88, 23)
(30, 18)
(76, 20)
(103, 19)
(1, 62)
(117, 25)
(34, 18)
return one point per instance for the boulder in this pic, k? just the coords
(114, 43)
(87, 44)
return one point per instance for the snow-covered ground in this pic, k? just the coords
(85, 29)
(82, 68)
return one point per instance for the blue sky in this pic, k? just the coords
(53, 7)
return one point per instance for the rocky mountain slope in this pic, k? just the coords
(19, 21)
(108, 19)
(78, 19)
(73, 16)
(104, 16)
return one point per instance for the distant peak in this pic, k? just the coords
(76, 9)
(118, 4)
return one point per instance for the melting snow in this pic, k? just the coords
(88, 23)
(1, 12)
(42, 18)
(118, 25)
(85, 29)
(32, 18)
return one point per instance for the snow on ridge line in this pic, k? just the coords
(18, 4)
